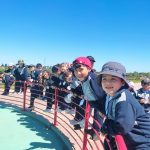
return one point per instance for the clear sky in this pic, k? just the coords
(54, 31)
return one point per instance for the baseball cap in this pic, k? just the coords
(82, 61)
(91, 58)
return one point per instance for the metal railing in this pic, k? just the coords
(79, 138)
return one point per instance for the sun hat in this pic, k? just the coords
(114, 69)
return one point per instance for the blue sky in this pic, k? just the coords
(54, 31)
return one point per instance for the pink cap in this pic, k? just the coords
(82, 60)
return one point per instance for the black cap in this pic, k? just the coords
(55, 69)
(91, 58)
(38, 65)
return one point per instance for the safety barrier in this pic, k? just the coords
(78, 138)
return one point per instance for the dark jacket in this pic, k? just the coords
(21, 73)
(96, 90)
(142, 94)
(127, 117)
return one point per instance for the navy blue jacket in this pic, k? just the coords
(142, 94)
(98, 92)
(127, 117)
(36, 74)
(21, 73)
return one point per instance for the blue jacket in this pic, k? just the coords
(127, 117)
(142, 94)
(36, 74)
(21, 73)
(96, 90)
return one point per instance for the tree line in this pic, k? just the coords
(132, 76)
(137, 76)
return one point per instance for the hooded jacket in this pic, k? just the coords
(125, 116)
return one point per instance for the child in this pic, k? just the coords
(125, 116)
(57, 79)
(37, 87)
(131, 88)
(92, 92)
(21, 75)
(143, 94)
(76, 101)
(8, 78)
(92, 60)
(49, 92)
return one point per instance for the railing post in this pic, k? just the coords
(120, 142)
(87, 116)
(55, 108)
(24, 95)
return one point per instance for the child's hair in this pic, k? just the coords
(46, 71)
(56, 68)
(21, 61)
(64, 66)
(30, 66)
(114, 69)
(38, 65)
(145, 81)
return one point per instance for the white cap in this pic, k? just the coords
(131, 84)
(10, 64)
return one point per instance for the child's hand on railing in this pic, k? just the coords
(102, 136)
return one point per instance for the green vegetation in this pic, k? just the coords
(133, 76)
(137, 76)
(2, 69)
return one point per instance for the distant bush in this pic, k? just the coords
(137, 76)
(2, 69)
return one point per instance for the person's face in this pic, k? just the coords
(58, 72)
(111, 84)
(32, 68)
(69, 78)
(20, 64)
(46, 75)
(40, 75)
(82, 72)
(63, 67)
(39, 68)
(146, 87)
